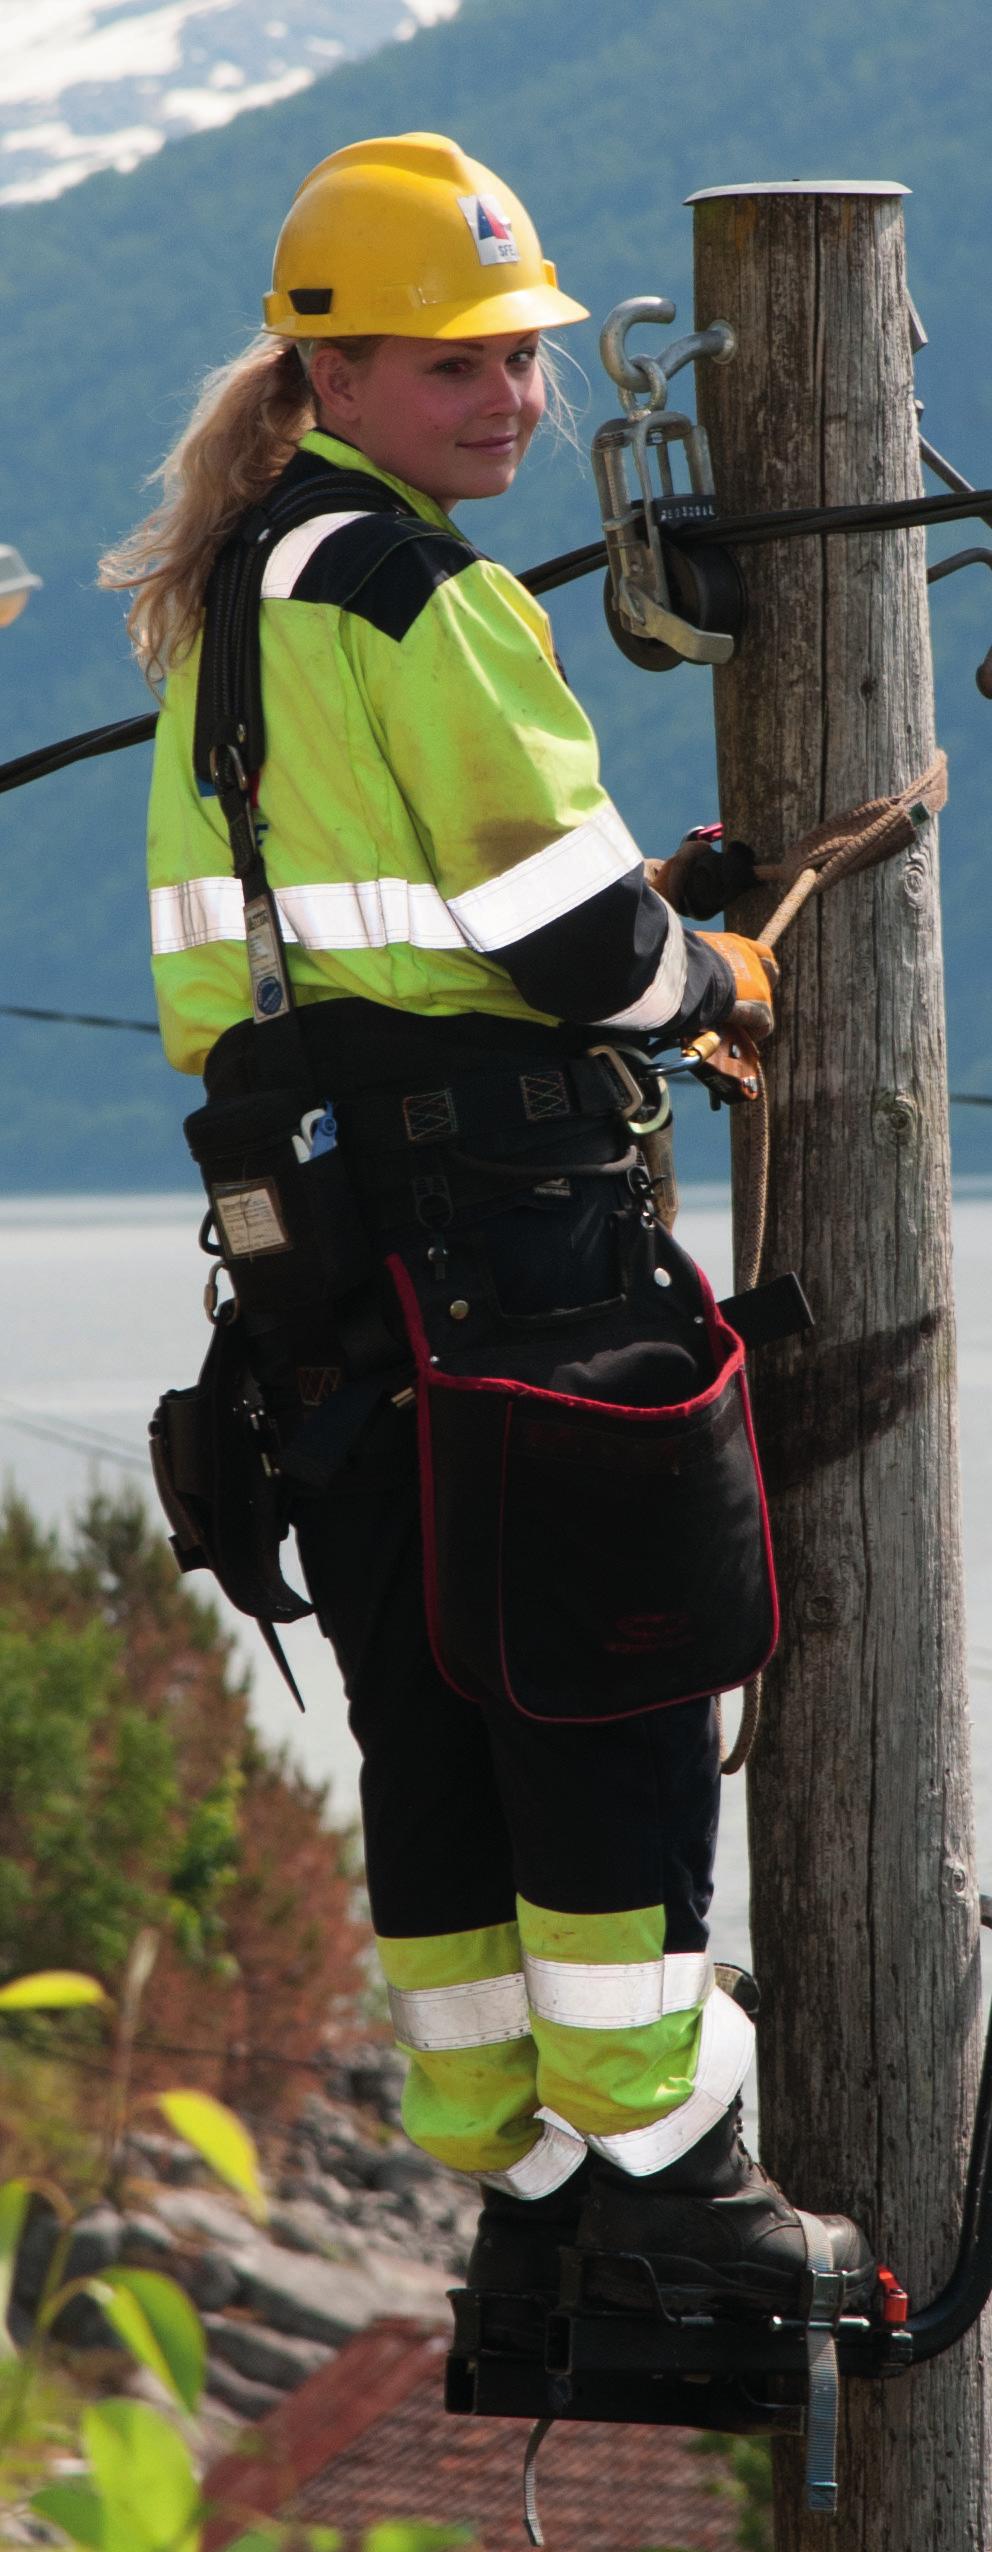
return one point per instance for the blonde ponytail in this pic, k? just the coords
(247, 422)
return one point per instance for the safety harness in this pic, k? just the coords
(434, 1121)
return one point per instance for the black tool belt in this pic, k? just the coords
(431, 1120)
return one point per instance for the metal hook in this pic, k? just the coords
(628, 371)
(949, 567)
(639, 374)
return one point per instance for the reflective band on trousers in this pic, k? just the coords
(617, 1996)
(550, 2162)
(487, 2013)
(726, 2046)
(387, 912)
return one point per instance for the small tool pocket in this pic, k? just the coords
(217, 1484)
(290, 1229)
(596, 1539)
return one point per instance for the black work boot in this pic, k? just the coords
(712, 2233)
(515, 2259)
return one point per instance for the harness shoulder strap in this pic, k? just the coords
(229, 698)
(229, 734)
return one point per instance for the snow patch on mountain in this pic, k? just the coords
(93, 84)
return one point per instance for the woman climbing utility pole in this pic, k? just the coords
(865, 1894)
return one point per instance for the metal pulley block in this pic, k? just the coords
(664, 606)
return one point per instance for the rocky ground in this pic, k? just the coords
(360, 2224)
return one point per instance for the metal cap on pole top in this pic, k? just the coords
(802, 186)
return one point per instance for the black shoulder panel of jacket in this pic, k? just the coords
(384, 567)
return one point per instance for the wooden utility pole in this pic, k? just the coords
(864, 1886)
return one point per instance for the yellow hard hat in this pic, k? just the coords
(405, 237)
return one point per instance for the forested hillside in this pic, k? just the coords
(118, 296)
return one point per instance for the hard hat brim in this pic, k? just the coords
(401, 312)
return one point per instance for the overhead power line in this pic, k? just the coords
(149, 1028)
(78, 1018)
(88, 1441)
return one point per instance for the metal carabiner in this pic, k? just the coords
(654, 1114)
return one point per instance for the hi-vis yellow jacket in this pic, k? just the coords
(431, 814)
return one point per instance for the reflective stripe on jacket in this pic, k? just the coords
(430, 809)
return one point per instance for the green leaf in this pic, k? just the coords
(157, 2323)
(268, 2538)
(401, 2535)
(219, 2136)
(75, 2506)
(144, 2475)
(265, 2538)
(14, 2200)
(52, 1989)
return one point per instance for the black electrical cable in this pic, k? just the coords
(77, 1018)
(743, 531)
(89, 1444)
(77, 748)
(149, 1028)
(730, 531)
(565, 570)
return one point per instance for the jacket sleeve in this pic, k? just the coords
(500, 770)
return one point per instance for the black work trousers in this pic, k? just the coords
(539, 1891)
(465, 1807)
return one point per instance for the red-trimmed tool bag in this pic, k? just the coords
(596, 1537)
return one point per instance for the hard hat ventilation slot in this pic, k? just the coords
(312, 302)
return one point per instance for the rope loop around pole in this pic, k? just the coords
(847, 843)
(841, 847)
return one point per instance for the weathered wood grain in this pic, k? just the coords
(865, 1894)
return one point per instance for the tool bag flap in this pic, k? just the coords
(601, 1547)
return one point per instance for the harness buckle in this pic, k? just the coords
(644, 1114)
(631, 1100)
(233, 769)
(432, 1202)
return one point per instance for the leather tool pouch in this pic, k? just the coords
(291, 1232)
(216, 1482)
(595, 1531)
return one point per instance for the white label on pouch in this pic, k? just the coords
(250, 1220)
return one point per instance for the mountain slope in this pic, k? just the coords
(93, 84)
(115, 299)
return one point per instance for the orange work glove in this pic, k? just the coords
(755, 972)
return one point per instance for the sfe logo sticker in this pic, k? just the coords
(490, 230)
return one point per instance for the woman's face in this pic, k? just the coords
(451, 416)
